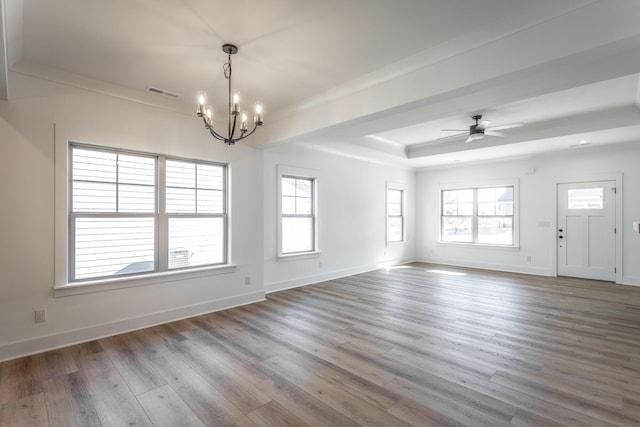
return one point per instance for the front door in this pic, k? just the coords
(586, 230)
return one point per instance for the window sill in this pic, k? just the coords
(298, 257)
(140, 280)
(480, 245)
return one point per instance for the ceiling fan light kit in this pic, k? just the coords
(206, 111)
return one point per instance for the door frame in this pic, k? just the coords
(618, 178)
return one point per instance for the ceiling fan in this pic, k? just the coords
(482, 128)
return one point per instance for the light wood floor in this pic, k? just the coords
(415, 345)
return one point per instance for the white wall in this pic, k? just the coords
(537, 204)
(42, 111)
(351, 217)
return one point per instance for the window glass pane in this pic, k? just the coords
(394, 229)
(136, 170)
(504, 194)
(394, 202)
(486, 208)
(450, 209)
(180, 174)
(465, 196)
(136, 198)
(288, 205)
(93, 165)
(297, 235)
(394, 197)
(288, 186)
(486, 195)
(498, 231)
(303, 187)
(303, 206)
(94, 197)
(210, 201)
(113, 246)
(180, 200)
(210, 177)
(450, 196)
(195, 241)
(504, 208)
(586, 198)
(465, 208)
(456, 230)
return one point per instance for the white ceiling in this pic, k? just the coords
(373, 79)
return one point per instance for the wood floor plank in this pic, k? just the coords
(114, 402)
(28, 411)
(359, 410)
(302, 404)
(165, 408)
(235, 388)
(211, 407)
(129, 361)
(420, 345)
(69, 402)
(273, 414)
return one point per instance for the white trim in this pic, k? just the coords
(308, 280)
(631, 280)
(284, 170)
(298, 256)
(618, 177)
(403, 189)
(50, 342)
(507, 182)
(508, 268)
(62, 286)
(102, 285)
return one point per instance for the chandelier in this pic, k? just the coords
(206, 112)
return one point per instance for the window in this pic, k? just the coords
(585, 198)
(395, 215)
(297, 214)
(482, 215)
(134, 213)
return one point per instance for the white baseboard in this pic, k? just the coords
(631, 280)
(63, 339)
(507, 268)
(337, 274)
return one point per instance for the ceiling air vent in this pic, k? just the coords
(162, 92)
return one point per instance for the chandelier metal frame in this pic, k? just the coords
(206, 112)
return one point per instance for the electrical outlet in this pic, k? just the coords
(40, 316)
(247, 280)
(528, 258)
(319, 264)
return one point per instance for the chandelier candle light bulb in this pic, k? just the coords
(244, 126)
(236, 101)
(206, 112)
(258, 117)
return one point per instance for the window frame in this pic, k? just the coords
(305, 174)
(514, 184)
(403, 219)
(65, 282)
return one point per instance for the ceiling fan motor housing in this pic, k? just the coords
(476, 128)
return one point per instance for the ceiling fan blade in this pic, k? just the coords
(474, 137)
(454, 130)
(508, 126)
(492, 132)
(483, 124)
